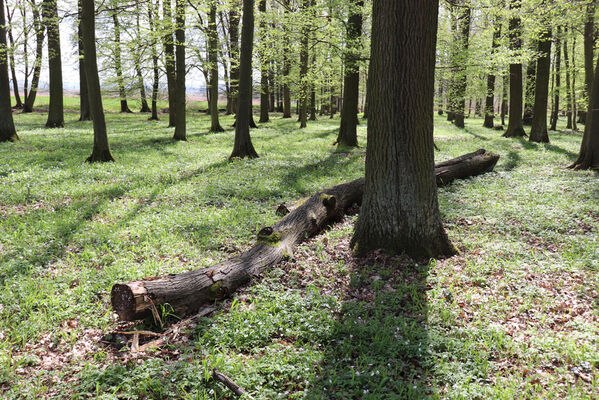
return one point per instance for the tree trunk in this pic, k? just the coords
(531, 81)
(271, 87)
(538, 132)
(118, 64)
(234, 53)
(588, 157)
(568, 85)
(303, 73)
(504, 85)
(153, 13)
(574, 105)
(243, 143)
(84, 110)
(264, 90)
(189, 291)
(169, 61)
(558, 80)
(55, 111)
(101, 151)
(180, 121)
(589, 45)
(490, 98)
(213, 67)
(286, 67)
(11, 54)
(37, 67)
(399, 155)
(515, 127)
(348, 136)
(462, 79)
(8, 132)
(137, 53)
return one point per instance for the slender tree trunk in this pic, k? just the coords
(589, 45)
(25, 43)
(118, 63)
(286, 68)
(234, 53)
(303, 74)
(213, 68)
(55, 111)
(515, 127)
(180, 122)
(8, 133)
(169, 61)
(348, 136)
(558, 80)
(574, 105)
(271, 87)
(101, 151)
(399, 155)
(84, 109)
(153, 13)
(538, 132)
(264, 94)
(37, 67)
(138, 61)
(504, 86)
(11, 54)
(243, 143)
(568, 85)
(462, 79)
(490, 98)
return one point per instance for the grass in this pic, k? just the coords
(515, 315)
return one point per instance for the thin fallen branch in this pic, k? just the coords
(228, 382)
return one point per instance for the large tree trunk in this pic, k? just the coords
(515, 127)
(558, 80)
(589, 45)
(84, 111)
(264, 89)
(213, 66)
(180, 92)
(8, 132)
(55, 111)
(588, 157)
(37, 66)
(399, 155)
(531, 81)
(243, 143)
(489, 101)
(538, 132)
(189, 291)
(118, 63)
(348, 136)
(101, 151)
(462, 79)
(169, 61)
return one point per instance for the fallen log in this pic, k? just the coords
(188, 291)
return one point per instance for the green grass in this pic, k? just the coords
(515, 315)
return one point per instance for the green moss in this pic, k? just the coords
(215, 289)
(272, 240)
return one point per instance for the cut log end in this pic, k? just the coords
(128, 300)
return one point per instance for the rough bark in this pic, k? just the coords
(180, 120)
(189, 291)
(589, 45)
(101, 150)
(213, 66)
(348, 136)
(515, 127)
(169, 61)
(37, 67)
(118, 63)
(153, 13)
(399, 155)
(8, 132)
(84, 110)
(538, 131)
(55, 110)
(489, 100)
(243, 143)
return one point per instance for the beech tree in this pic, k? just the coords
(243, 143)
(213, 67)
(399, 156)
(101, 150)
(7, 126)
(56, 107)
(180, 121)
(538, 132)
(515, 127)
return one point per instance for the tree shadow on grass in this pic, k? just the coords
(513, 160)
(379, 347)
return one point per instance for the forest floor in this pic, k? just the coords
(515, 315)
